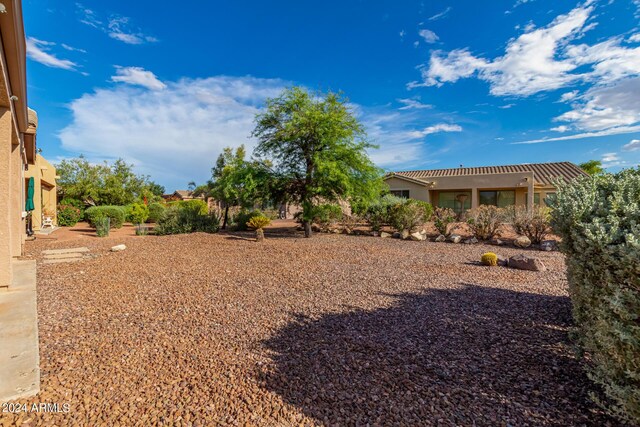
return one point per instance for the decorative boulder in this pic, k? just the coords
(375, 233)
(397, 235)
(549, 245)
(418, 237)
(455, 238)
(503, 261)
(441, 238)
(497, 242)
(523, 262)
(118, 248)
(385, 234)
(522, 242)
(471, 241)
(405, 234)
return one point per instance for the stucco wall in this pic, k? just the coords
(5, 202)
(44, 197)
(416, 191)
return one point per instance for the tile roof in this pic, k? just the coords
(544, 173)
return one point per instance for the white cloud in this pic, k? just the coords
(402, 33)
(611, 159)
(506, 106)
(440, 127)
(634, 145)
(602, 108)
(411, 103)
(117, 27)
(541, 59)
(568, 96)
(71, 48)
(137, 76)
(608, 132)
(428, 36)
(174, 134)
(635, 38)
(37, 51)
(561, 128)
(440, 15)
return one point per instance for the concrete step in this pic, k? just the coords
(64, 251)
(57, 261)
(63, 256)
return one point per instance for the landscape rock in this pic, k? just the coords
(384, 234)
(405, 234)
(396, 235)
(503, 261)
(522, 242)
(471, 241)
(118, 248)
(441, 238)
(524, 262)
(375, 233)
(497, 242)
(549, 245)
(418, 237)
(455, 238)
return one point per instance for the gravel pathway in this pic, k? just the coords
(335, 330)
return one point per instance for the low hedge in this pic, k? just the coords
(116, 213)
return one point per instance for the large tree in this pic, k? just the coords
(236, 181)
(103, 183)
(592, 167)
(318, 149)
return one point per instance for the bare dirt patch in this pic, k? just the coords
(334, 330)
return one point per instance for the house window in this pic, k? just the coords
(536, 199)
(401, 193)
(500, 199)
(459, 201)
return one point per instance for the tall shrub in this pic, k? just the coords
(485, 221)
(443, 218)
(534, 223)
(116, 213)
(410, 214)
(377, 213)
(186, 218)
(598, 219)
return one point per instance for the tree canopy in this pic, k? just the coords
(104, 183)
(318, 149)
(592, 167)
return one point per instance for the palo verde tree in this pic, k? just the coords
(318, 149)
(236, 181)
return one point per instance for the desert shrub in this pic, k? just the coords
(195, 205)
(116, 213)
(326, 214)
(377, 213)
(443, 218)
(409, 214)
(138, 213)
(489, 258)
(103, 225)
(155, 211)
(68, 215)
(598, 219)
(258, 222)
(485, 221)
(534, 224)
(242, 217)
(186, 218)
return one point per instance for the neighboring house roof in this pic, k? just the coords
(544, 173)
(183, 193)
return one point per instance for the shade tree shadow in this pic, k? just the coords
(467, 356)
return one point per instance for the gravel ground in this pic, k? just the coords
(334, 330)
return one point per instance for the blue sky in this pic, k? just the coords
(437, 84)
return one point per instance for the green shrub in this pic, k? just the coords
(409, 214)
(326, 214)
(186, 218)
(138, 213)
(485, 221)
(534, 224)
(116, 213)
(243, 216)
(103, 226)
(68, 215)
(489, 258)
(195, 205)
(598, 219)
(377, 213)
(443, 218)
(155, 211)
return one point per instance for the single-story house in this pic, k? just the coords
(181, 195)
(466, 188)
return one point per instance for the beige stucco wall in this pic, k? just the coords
(44, 197)
(6, 247)
(521, 182)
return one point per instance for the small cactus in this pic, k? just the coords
(489, 259)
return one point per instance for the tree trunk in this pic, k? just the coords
(307, 228)
(259, 235)
(226, 217)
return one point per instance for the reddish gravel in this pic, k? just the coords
(334, 330)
